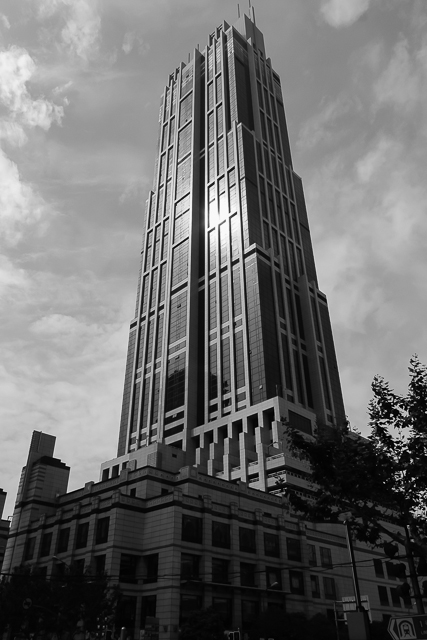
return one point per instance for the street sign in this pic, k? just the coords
(408, 628)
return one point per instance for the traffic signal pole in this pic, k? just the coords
(359, 606)
(413, 574)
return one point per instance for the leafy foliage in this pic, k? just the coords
(59, 604)
(280, 625)
(374, 481)
(203, 625)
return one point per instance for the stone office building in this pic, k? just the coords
(231, 341)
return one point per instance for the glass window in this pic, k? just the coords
(148, 608)
(223, 606)
(395, 598)
(63, 538)
(180, 263)
(45, 544)
(213, 372)
(239, 359)
(82, 534)
(185, 111)
(329, 588)
(250, 612)
(315, 586)
(271, 545)
(184, 141)
(212, 305)
(102, 527)
(247, 574)
(189, 604)
(312, 557)
(293, 547)
(325, 557)
(175, 382)
(379, 569)
(274, 578)
(128, 568)
(100, 564)
(218, 82)
(220, 570)
(189, 566)
(211, 128)
(247, 540)
(192, 529)
(220, 155)
(210, 95)
(183, 177)
(219, 120)
(220, 534)
(226, 365)
(296, 582)
(383, 595)
(237, 296)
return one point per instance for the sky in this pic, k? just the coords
(80, 84)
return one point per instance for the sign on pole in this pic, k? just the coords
(408, 628)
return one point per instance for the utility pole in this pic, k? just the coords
(413, 574)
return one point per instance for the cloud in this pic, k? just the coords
(323, 126)
(20, 204)
(342, 13)
(402, 83)
(13, 280)
(4, 21)
(367, 166)
(131, 39)
(16, 69)
(80, 35)
(13, 133)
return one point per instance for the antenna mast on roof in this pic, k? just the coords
(238, 10)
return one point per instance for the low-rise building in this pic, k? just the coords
(177, 540)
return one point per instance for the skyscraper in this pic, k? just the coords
(231, 340)
(231, 336)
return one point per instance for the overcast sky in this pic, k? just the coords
(80, 83)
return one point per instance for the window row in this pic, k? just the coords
(63, 541)
(192, 531)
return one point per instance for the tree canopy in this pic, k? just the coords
(31, 603)
(377, 481)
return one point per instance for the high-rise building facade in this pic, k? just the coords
(231, 341)
(231, 335)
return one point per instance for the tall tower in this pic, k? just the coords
(231, 336)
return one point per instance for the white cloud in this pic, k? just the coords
(16, 69)
(322, 127)
(13, 280)
(342, 13)
(367, 166)
(4, 21)
(81, 33)
(401, 83)
(20, 204)
(13, 133)
(131, 39)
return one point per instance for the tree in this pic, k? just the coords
(281, 625)
(377, 481)
(376, 484)
(203, 625)
(59, 604)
